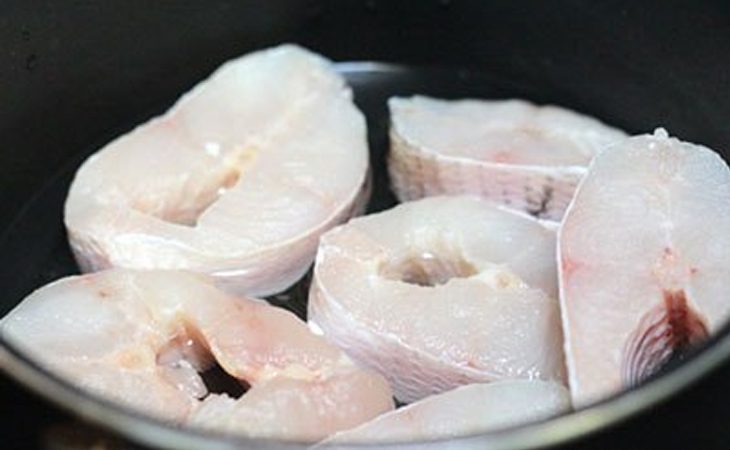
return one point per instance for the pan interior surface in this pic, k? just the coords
(34, 249)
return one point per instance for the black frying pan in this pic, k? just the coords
(72, 77)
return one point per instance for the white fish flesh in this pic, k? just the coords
(524, 156)
(237, 180)
(142, 338)
(644, 261)
(441, 292)
(470, 409)
(295, 409)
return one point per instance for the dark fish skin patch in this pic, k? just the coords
(541, 208)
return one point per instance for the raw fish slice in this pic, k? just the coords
(303, 410)
(142, 338)
(524, 156)
(470, 409)
(441, 292)
(238, 179)
(643, 261)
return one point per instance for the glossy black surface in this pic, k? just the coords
(74, 76)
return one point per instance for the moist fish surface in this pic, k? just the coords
(441, 292)
(237, 180)
(524, 156)
(469, 409)
(644, 261)
(143, 338)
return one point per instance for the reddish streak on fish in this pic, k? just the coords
(569, 266)
(665, 332)
(502, 157)
(686, 327)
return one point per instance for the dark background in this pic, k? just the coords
(74, 74)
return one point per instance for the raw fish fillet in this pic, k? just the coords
(441, 292)
(524, 156)
(237, 180)
(470, 409)
(644, 261)
(143, 338)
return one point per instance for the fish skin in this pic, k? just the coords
(427, 156)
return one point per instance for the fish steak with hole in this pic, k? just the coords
(143, 338)
(441, 292)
